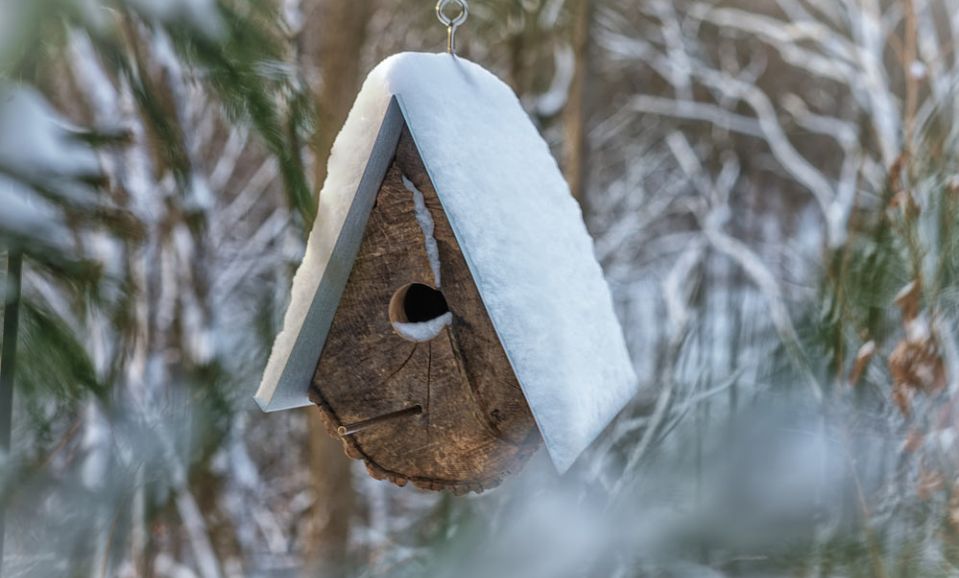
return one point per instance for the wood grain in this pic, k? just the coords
(476, 426)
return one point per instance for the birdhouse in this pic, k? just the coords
(449, 315)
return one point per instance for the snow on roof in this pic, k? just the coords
(521, 232)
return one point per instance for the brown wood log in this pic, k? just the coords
(474, 426)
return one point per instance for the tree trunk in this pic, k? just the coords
(333, 37)
(575, 151)
(328, 532)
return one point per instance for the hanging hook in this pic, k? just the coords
(452, 23)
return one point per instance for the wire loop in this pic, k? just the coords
(452, 23)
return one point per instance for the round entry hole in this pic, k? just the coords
(419, 312)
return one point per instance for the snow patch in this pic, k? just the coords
(204, 15)
(425, 330)
(918, 330)
(868, 348)
(425, 220)
(918, 69)
(36, 142)
(25, 214)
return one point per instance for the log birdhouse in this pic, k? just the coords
(449, 315)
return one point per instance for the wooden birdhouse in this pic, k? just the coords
(449, 314)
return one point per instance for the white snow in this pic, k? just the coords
(25, 213)
(36, 142)
(918, 69)
(425, 220)
(425, 330)
(204, 15)
(39, 150)
(904, 292)
(521, 233)
(918, 330)
(867, 349)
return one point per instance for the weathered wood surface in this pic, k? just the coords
(476, 426)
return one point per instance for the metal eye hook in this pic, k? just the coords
(452, 23)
